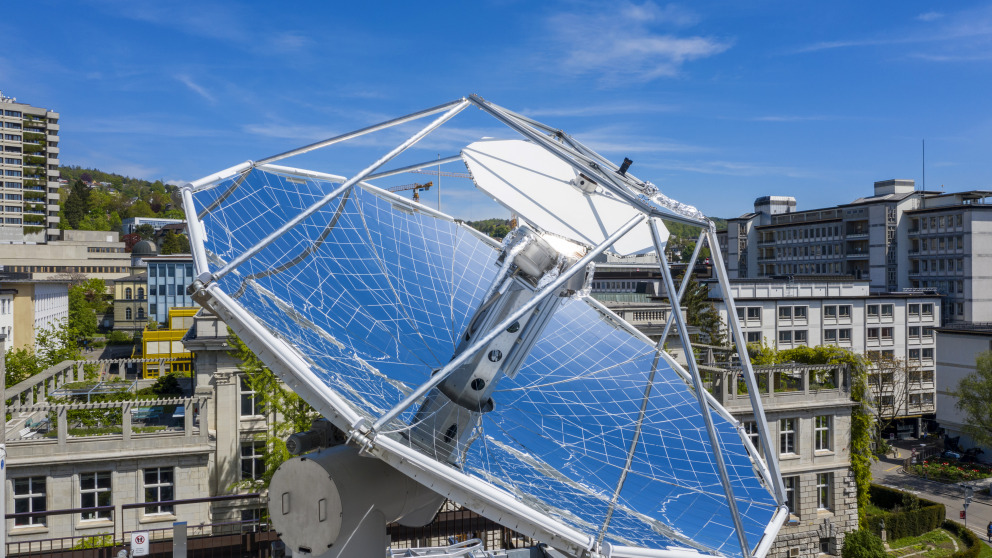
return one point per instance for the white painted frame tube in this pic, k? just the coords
(481, 342)
(361, 132)
(771, 453)
(697, 382)
(287, 226)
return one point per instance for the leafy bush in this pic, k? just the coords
(863, 544)
(907, 515)
(119, 338)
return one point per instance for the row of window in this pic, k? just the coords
(95, 490)
(788, 428)
(936, 222)
(66, 269)
(128, 293)
(833, 311)
(939, 244)
(926, 266)
(168, 270)
(808, 233)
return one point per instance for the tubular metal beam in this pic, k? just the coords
(704, 407)
(418, 166)
(659, 349)
(361, 132)
(771, 456)
(480, 343)
(258, 247)
(685, 282)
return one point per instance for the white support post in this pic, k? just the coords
(287, 226)
(362, 132)
(771, 453)
(483, 341)
(697, 381)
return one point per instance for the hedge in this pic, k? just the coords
(918, 516)
(972, 542)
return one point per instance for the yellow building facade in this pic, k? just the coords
(166, 346)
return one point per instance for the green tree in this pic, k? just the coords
(862, 417)
(288, 410)
(77, 204)
(974, 394)
(82, 318)
(140, 208)
(700, 312)
(145, 231)
(175, 244)
(53, 345)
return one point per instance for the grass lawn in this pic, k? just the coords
(935, 544)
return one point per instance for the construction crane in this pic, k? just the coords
(416, 187)
(442, 173)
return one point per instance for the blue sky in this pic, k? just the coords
(716, 102)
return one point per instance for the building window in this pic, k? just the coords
(29, 496)
(830, 335)
(844, 335)
(927, 309)
(830, 311)
(886, 310)
(887, 333)
(127, 313)
(141, 313)
(821, 432)
(159, 487)
(823, 482)
(785, 337)
(799, 336)
(873, 334)
(792, 494)
(127, 293)
(844, 311)
(754, 337)
(787, 436)
(250, 404)
(141, 293)
(754, 313)
(927, 354)
(914, 354)
(252, 461)
(785, 313)
(94, 491)
(872, 310)
(799, 312)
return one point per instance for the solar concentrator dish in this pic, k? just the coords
(367, 297)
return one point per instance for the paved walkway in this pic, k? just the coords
(888, 471)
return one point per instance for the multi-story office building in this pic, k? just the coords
(960, 344)
(950, 249)
(29, 165)
(168, 277)
(899, 238)
(131, 223)
(93, 254)
(895, 329)
(35, 305)
(131, 303)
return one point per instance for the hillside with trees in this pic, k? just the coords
(99, 201)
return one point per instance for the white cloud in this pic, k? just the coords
(196, 88)
(930, 16)
(634, 42)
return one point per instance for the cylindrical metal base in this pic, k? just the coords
(337, 503)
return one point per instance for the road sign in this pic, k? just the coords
(962, 516)
(139, 543)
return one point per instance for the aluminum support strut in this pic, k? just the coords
(771, 455)
(361, 132)
(685, 283)
(484, 341)
(258, 247)
(697, 381)
(418, 166)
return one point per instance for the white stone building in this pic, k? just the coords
(843, 312)
(960, 344)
